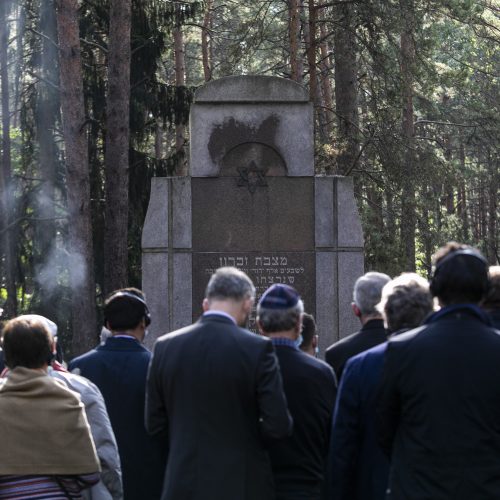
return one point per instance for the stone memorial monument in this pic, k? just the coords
(252, 201)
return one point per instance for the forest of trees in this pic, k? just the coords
(406, 96)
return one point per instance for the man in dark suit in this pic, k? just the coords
(215, 395)
(439, 406)
(310, 386)
(366, 296)
(358, 469)
(119, 369)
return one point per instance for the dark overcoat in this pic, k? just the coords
(371, 334)
(299, 461)
(439, 409)
(119, 369)
(215, 395)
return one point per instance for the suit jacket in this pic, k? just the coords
(439, 408)
(371, 334)
(358, 469)
(299, 461)
(119, 369)
(215, 395)
(495, 318)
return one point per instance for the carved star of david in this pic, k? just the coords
(252, 177)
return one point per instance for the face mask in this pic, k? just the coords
(298, 341)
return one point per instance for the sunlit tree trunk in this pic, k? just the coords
(205, 41)
(117, 147)
(81, 268)
(311, 52)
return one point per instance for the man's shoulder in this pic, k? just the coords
(85, 357)
(186, 333)
(304, 364)
(343, 343)
(409, 336)
(87, 389)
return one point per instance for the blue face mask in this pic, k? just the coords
(298, 341)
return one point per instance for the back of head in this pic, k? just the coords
(460, 275)
(279, 309)
(124, 309)
(492, 299)
(27, 342)
(406, 301)
(367, 292)
(229, 283)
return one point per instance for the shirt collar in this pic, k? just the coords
(213, 312)
(467, 308)
(284, 341)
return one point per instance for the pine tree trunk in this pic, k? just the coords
(117, 147)
(346, 90)
(81, 268)
(294, 35)
(311, 52)
(325, 72)
(21, 23)
(180, 80)
(493, 253)
(205, 41)
(464, 210)
(7, 193)
(408, 209)
(46, 116)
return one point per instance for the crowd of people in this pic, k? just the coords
(407, 408)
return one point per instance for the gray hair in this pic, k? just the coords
(229, 283)
(406, 301)
(367, 292)
(279, 320)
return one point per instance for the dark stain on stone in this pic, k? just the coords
(231, 133)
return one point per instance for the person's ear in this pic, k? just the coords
(259, 327)
(315, 341)
(205, 305)
(299, 326)
(356, 310)
(247, 305)
(54, 345)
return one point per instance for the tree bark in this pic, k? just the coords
(346, 89)
(7, 193)
(180, 80)
(294, 35)
(325, 72)
(408, 209)
(493, 253)
(311, 52)
(46, 116)
(117, 147)
(205, 41)
(21, 23)
(81, 265)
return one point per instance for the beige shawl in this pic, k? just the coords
(43, 427)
